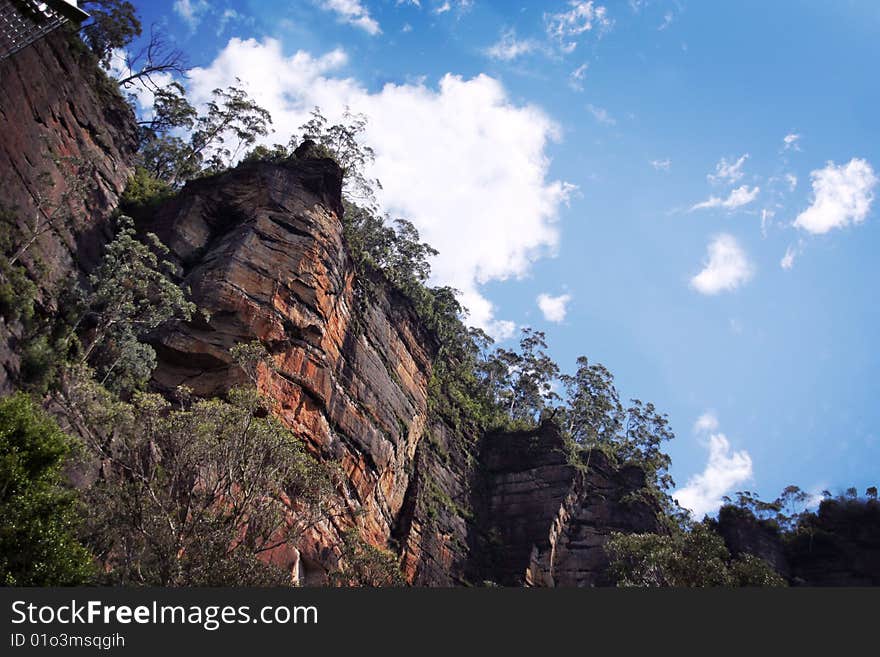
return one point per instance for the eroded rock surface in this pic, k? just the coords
(62, 126)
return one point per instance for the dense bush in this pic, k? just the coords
(38, 545)
(684, 558)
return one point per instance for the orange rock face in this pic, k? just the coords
(261, 247)
(262, 251)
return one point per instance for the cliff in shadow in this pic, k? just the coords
(67, 142)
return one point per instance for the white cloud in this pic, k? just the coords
(842, 195)
(736, 199)
(566, 27)
(508, 47)
(461, 160)
(601, 115)
(766, 218)
(728, 172)
(554, 308)
(662, 165)
(787, 261)
(191, 11)
(446, 6)
(792, 181)
(727, 267)
(706, 423)
(668, 18)
(577, 76)
(790, 142)
(724, 471)
(354, 13)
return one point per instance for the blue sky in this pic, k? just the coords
(688, 184)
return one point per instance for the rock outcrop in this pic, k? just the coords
(261, 249)
(839, 545)
(262, 252)
(546, 520)
(67, 139)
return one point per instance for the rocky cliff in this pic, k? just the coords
(66, 144)
(262, 252)
(837, 546)
(261, 249)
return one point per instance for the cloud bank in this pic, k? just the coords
(465, 163)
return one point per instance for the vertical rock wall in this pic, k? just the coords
(59, 115)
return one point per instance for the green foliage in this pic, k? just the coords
(695, 558)
(231, 122)
(132, 293)
(260, 153)
(196, 492)
(521, 381)
(595, 418)
(785, 513)
(143, 193)
(112, 24)
(365, 565)
(38, 545)
(343, 142)
(17, 292)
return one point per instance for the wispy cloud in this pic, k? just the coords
(725, 269)
(662, 165)
(736, 199)
(787, 261)
(842, 195)
(567, 27)
(191, 11)
(791, 142)
(509, 47)
(577, 76)
(726, 172)
(601, 115)
(354, 13)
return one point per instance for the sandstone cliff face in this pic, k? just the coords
(546, 520)
(262, 252)
(261, 249)
(57, 116)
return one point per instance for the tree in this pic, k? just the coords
(150, 65)
(365, 565)
(230, 117)
(593, 415)
(38, 545)
(522, 381)
(342, 141)
(695, 558)
(196, 493)
(131, 294)
(112, 24)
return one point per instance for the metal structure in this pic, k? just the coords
(24, 21)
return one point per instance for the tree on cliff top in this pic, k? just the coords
(695, 558)
(112, 24)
